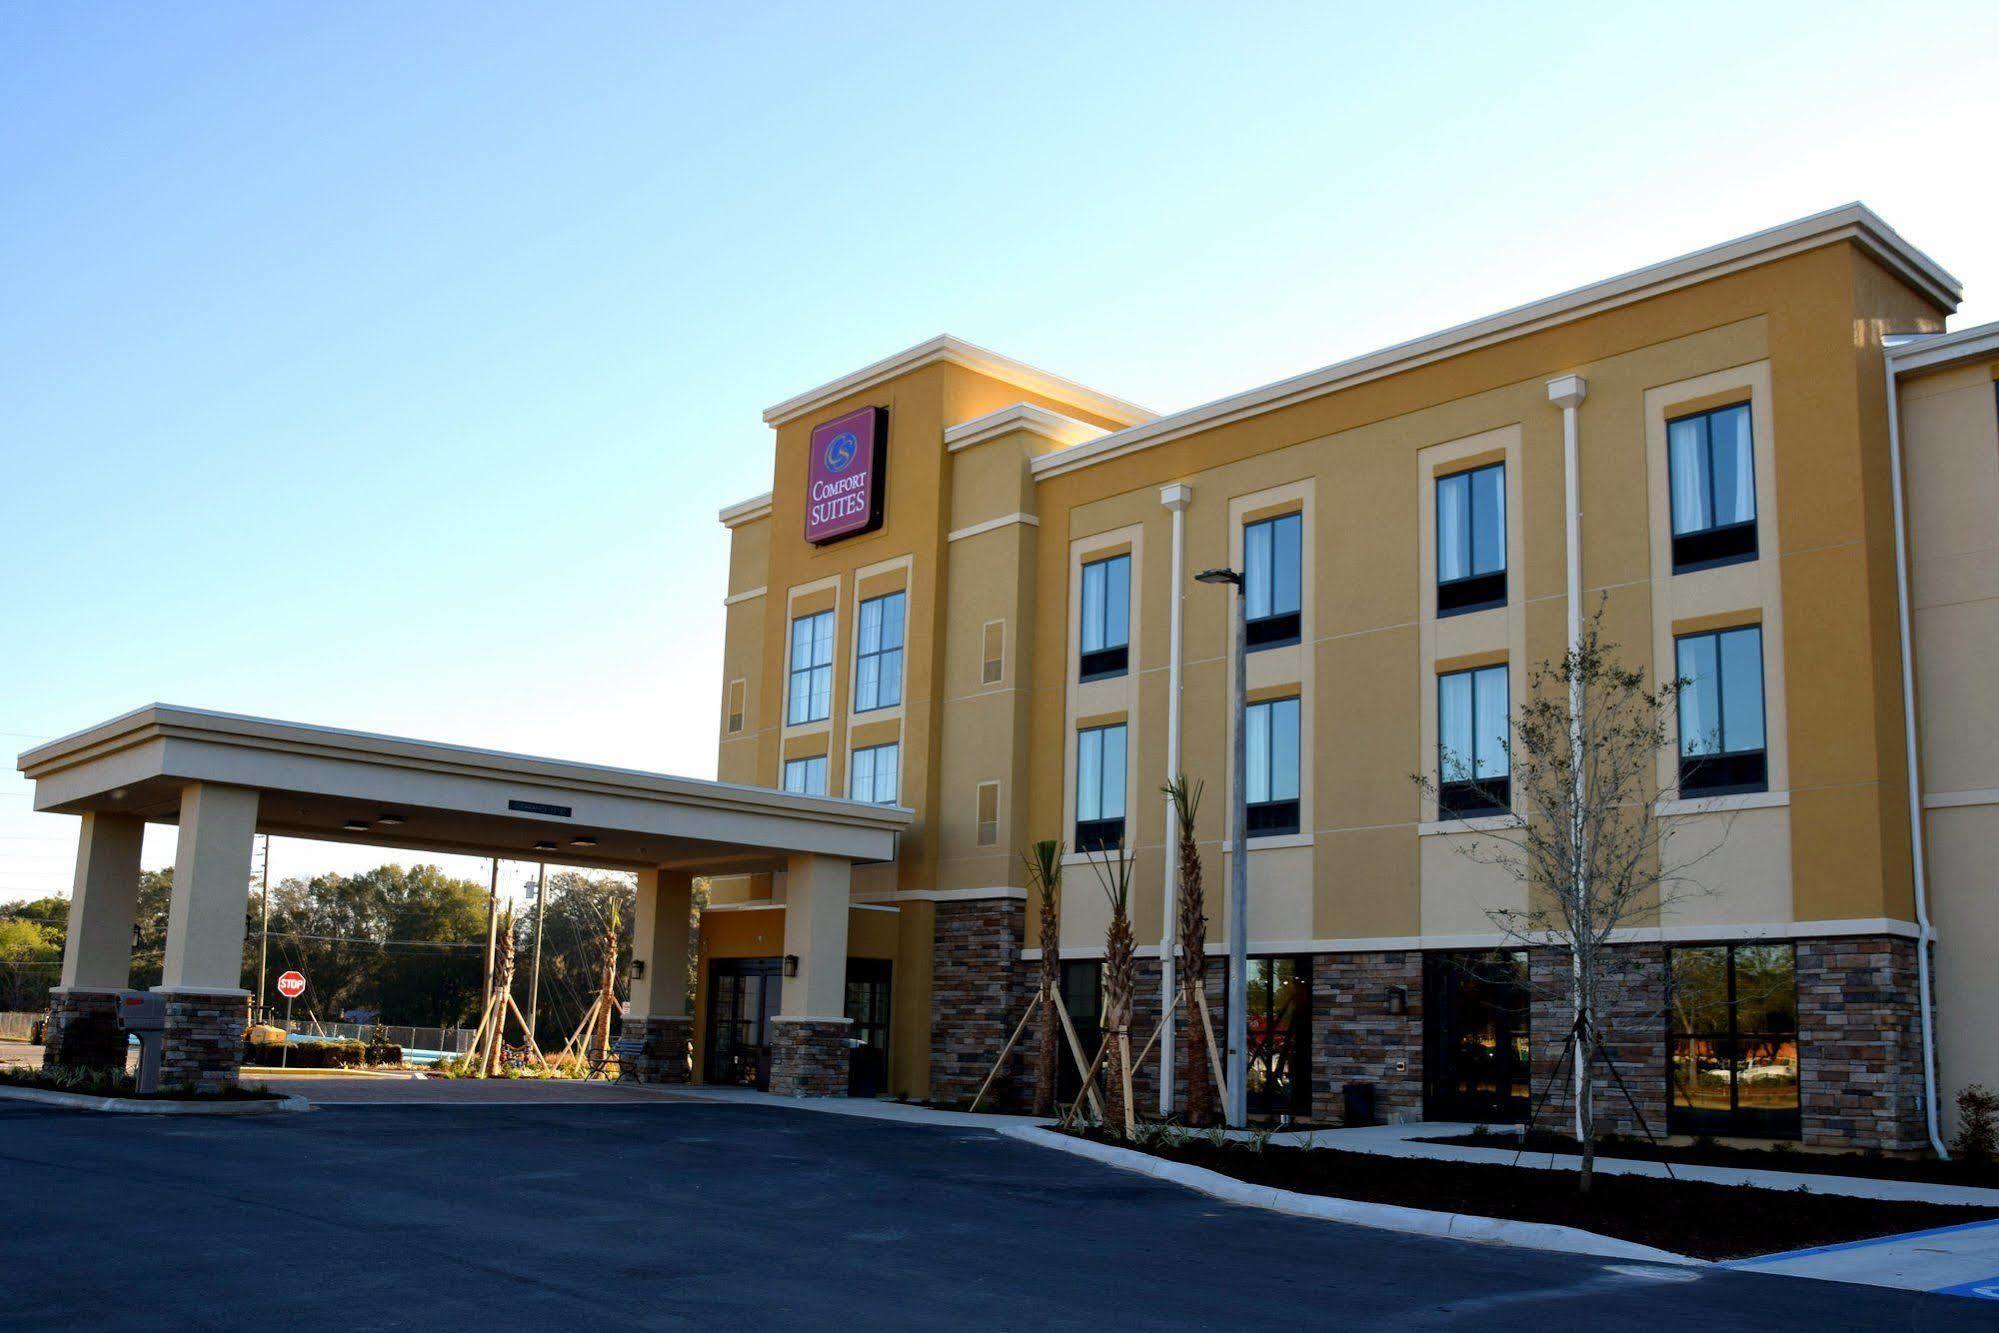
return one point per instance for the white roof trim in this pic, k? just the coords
(1064, 431)
(1943, 348)
(745, 511)
(1855, 222)
(958, 352)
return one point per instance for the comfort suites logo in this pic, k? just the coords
(843, 484)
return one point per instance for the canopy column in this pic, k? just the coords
(207, 1007)
(97, 953)
(660, 938)
(810, 1053)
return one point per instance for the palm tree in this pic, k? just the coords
(1044, 872)
(1119, 950)
(1193, 931)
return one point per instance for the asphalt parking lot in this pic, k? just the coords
(666, 1212)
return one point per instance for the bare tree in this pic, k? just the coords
(1589, 846)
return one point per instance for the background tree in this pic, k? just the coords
(1590, 848)
(580, 908)
(31, 941)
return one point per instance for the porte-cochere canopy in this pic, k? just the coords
(223, 778)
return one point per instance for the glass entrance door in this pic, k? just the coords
(868, 1005)
(1280, 1037)
(743, 994)
(1475, 1036)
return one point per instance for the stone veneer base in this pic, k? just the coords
(83, 1030)
(668, 1041)
(203, 1049)
(809, 1057)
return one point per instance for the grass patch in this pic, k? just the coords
(1685, 1217)
(117, 1083)
(1778, 1157)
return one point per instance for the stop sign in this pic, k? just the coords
(291, 985)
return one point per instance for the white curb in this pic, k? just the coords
(1386, 1217)
(77, 1101)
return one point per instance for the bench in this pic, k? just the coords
(625, 1053)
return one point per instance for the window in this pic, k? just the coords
(1721, 712)
(811, 693)
(1474, 776)
(737, 692)
(1271, 569)
(1471, 540)
(1106, 622)
(806, 777)
(878, 653)
(994, 666)
(873, 773)
(1272, 768)
(1733, 1057)
(1714, 488)
(987, 833)
(1099, 788)
(1279, 993)
(1083, 996)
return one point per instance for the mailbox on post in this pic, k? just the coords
(144, 1015)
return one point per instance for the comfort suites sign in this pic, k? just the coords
(843, 481)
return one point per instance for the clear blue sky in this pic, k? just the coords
(385, 365)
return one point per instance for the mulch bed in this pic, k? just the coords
(1871, 1166)
(124, 1086)
(1702, 1220)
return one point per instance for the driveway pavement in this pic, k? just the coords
(664, 1211)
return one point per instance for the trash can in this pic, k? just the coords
(1359, 1099)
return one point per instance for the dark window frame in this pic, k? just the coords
(1279, 629)
(1275, 818)
(1472, 592)
(874, 775)
(1725, 772)
(1109, 659)
(1717, 544)
(1735, 1122)
(805, 762)
(1473, 797)
(1103, 833)
(1296, 1038)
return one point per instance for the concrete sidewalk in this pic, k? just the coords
(1403, 1141)
(1952, 1261)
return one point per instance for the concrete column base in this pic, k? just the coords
(809, 1057)
(203, 1049)
(668, 1039)
(83, 1030)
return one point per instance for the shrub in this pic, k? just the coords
(307, 1054)
(1977, 1125)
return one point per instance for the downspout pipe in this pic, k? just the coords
(1925, 933)
(1567, 392)
(1176, 498)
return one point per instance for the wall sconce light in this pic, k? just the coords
(1398, 1000)
(638, 969)
(791, 965)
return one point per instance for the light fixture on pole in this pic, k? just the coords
(1235, 1107)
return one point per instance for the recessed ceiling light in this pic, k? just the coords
(391, 820)
(544, 846)
(582, 842)
(356, 826)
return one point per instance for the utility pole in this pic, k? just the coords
(264, 948)
(492, 935)
(534, 975)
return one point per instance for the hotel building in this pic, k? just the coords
(970, 593)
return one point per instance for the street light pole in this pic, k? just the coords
(264, 945)
(1235, 1106)
(540, 911)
